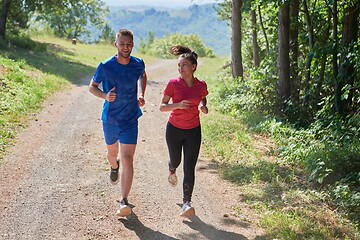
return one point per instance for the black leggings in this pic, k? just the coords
(188, 140)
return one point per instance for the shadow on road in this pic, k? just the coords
(210, 232)
(133, 223)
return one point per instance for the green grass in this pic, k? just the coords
(247, 151)
(29, 76)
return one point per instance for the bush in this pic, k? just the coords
(159, 47)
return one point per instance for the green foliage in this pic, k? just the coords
(18, 39)
(257, 93)
(67, 18)
(327, 149)
(160, 46)
(292, 224)
(223, 10)
(21, 92)
(145, 45)
(275, 186)
(107, 35)
(32, 71)
(73, 19)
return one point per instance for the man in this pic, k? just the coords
(120, 77)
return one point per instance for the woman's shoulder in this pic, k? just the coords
(201, 82)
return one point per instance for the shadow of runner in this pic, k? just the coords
(210, 232)
(133, 223)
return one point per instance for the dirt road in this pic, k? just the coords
(54, 183)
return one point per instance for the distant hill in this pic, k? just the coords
(197, 19)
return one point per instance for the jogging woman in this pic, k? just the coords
(183, 132)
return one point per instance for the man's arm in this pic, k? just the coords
(142, 88)
(95, 90)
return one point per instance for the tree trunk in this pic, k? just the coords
(337, 90)
(264, 30)
(284, 58)
(310, 55)
(347, 68)
(319, 84)
(256, 48)
(294, 51)
(3, 17)
(236, 57)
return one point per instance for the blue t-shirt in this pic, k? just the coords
(124, 110)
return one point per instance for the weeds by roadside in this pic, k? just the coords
(269, 161)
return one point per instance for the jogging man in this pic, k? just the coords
(120, 76)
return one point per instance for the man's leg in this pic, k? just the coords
(112, 153)
(127, 152)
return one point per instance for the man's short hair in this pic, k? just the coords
(125, 32)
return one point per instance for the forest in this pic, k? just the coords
(298, 62)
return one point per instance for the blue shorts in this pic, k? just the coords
(125, 134)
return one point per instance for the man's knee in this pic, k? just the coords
(112, 155)
(127, 159)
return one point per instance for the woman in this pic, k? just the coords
(183, 130)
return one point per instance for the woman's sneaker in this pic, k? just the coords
(187, 210)
(172, 179)
(114, 174)
(124, 209)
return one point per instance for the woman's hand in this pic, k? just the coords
(204, 109)
(184, 104)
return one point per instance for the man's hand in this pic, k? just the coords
(111, 95)
(141, 101)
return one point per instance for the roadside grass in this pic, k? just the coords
(277, 190)
(22, 89)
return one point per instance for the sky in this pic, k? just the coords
(157, 3)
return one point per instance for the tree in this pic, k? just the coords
(256, 48)
(346, 79)
(311, 38)
(26, 7)
(107, 35)
(160, 46)
(72, 21)
(294, 50)
(284, 59)
(144, 45)
(263, 30)
(5, 7)
(67, 17)
(337, 90)
(236, 56)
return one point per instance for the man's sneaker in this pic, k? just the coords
(114, 174)
(187, 210)
(172, 179)
(124, 209)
